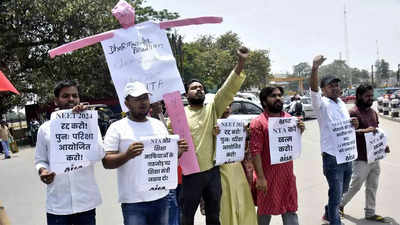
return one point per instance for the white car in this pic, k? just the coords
(245, 110)
(242, 109)
(249, 96)
(307, 108)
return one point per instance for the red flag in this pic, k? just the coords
(6, 85)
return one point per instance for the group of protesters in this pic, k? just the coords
(229, 198)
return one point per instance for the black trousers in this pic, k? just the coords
(206, 184)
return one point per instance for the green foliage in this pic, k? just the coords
(337, 68)
(302, 69)
(212, 59)
(382, 71)
(29, 28)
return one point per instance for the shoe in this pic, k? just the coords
(325, 219)
(7, 157)
(341, 212)
(377, 218)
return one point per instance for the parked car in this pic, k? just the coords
(349, 96)
(249, 96)
(396, 94)
(245, 110)
(307, 108)
(105, 117)
(242, 109)
(389, 93)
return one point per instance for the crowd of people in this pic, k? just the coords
(237, 193)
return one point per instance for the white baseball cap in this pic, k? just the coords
(135, 89)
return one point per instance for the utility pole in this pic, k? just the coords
(398, 75)
(372, 75)
(346, 43)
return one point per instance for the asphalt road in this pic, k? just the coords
(24, 195)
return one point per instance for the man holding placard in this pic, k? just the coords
(202, 119)
(72, 196)
(144, 179)
(366, 169)
(276, 182)
(338, 143)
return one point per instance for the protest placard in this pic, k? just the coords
(142, 53)
(230, 142)
(157, 167)
(284, 139)
(344, 137)
(376, 145)
(73, 140)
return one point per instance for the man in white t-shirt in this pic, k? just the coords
(72, 197)
(122, 146)
(329, 108)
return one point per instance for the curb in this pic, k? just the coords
(397, 119)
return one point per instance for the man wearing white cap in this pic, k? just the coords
(121, 145)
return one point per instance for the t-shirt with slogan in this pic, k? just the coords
(120, 135)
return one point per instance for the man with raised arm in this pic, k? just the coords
(202, 119)
(329, 108)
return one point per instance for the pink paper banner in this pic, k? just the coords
(81, 43)
(69, 47)
(179, 123)
(190, 21)
(124, 13)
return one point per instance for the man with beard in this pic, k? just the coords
(72, 197)
(276, 184)
(330, 108)
(122, 146)
(362, 170)
(202, 119)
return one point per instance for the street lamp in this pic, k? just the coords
(398, 75)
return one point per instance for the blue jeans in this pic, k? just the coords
(338, 177)
(146, 213)
(83, 218)
(5, 148)
(173, 206)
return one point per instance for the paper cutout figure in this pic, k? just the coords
(125, 15)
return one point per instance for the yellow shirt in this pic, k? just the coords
(202, 121)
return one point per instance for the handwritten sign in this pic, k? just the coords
(284, 139)
(231, 141)
(180, 125)
(344, 137)
(376, 145)
(158, 164)
(142, 53)
(73, 140)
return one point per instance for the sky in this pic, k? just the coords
(295, 31)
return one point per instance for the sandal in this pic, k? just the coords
(377, 218)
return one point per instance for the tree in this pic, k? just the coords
(382, 71)
(359, 76)
(337, 68)
(302, 69)
(29, 28)
(257, 69)
(212, 59)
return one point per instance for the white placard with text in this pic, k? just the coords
(142, 53)
(376, 145)
(284, 139)
(157, 167)
(73, 140)
(230, 142)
